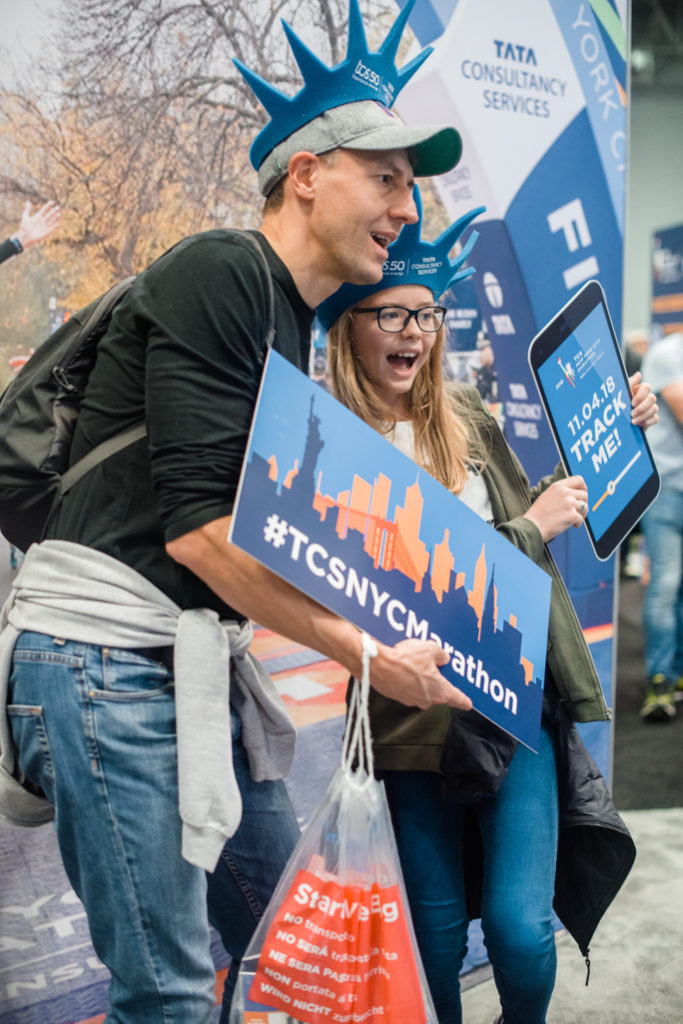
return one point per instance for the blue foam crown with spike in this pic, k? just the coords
(411, 261)
(362, 75)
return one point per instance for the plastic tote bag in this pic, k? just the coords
(336, 944)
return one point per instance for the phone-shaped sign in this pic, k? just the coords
(580, 375)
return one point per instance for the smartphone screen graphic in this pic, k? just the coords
(581, 378)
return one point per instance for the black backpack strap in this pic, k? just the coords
(127, 437)
(106, 301)
(100, 453)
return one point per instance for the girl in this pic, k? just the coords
(477, 817)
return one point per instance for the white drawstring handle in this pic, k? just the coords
(358, 739)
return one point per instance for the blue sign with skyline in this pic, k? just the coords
(332, 507)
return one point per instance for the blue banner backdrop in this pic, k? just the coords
(538, 91)
(667, 281)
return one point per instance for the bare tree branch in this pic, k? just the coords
(146, 135)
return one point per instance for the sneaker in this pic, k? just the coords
(678, 690)
(658, 705)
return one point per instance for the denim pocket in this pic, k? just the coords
(127, 676)
(27, 724)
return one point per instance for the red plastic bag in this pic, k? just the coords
(336, 944)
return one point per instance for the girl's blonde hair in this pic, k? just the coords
(449, 427)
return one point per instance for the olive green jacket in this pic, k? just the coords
(410, 739)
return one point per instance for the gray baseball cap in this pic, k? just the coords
(369, 126)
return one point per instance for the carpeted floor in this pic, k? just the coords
(648, 756)
(634, 978)
(45, 948)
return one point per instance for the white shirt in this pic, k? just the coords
(473, 494)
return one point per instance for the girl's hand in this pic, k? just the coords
(644, 408)
(561, 505)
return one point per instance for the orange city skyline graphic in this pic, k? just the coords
(396, 544)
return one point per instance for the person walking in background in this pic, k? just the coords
(461, 791)
(486, 376)
(662, 527)
(33, 228)
(129, 629)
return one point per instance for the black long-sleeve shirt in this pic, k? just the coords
(8, 249)
(184, 351)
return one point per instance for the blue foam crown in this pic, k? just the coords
(362, 75)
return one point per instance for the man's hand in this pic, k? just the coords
(409, 673)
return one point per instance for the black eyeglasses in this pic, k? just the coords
(393, 319)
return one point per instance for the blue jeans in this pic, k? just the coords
(518, 828)
(662, 527)
(95, 730)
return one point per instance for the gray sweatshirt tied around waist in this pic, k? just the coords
(77, 593)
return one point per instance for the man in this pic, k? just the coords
(662, 527)
(116, 616)
(486, 381)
